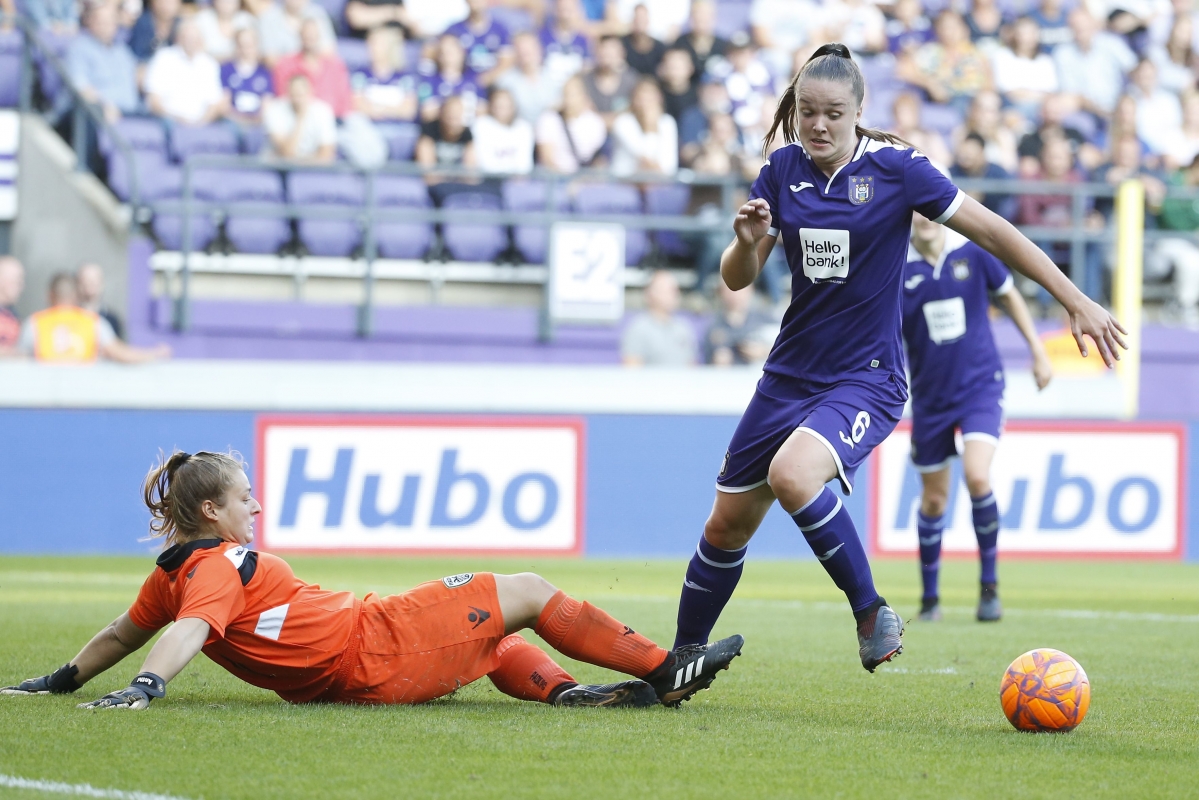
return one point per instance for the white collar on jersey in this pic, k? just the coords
(954, 241)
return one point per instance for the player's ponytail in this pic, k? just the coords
(831, 62)
(176, 487)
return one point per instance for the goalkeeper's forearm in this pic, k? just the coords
(178, 646)
(117, 640)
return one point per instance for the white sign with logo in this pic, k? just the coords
(1110, 491)
(586, 272)
(825, 254)
(415, 484)
(10, 145)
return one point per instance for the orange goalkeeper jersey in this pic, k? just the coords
(269, 628)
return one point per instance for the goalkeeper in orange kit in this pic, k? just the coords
(249, 613)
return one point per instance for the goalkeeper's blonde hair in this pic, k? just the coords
(177, 486)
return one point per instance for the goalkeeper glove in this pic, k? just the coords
(61, 681)
(144, 688)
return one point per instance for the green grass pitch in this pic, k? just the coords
(796, 716)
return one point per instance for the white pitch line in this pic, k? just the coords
(821, 605)
(80, 789)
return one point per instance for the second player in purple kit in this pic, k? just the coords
(841, 199)
(957, 386)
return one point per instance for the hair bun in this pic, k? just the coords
(832, 49)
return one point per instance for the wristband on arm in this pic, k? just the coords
(142, 689)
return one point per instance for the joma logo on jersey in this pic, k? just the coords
(861, 189)
(825, 254)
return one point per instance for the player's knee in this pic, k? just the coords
(727, 534)
(932, 504)
(978, 485)
(793, 485)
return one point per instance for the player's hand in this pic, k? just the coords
(1042, 370)
(144, 688)
(1092, 319)
(61, 681)
(752, 222)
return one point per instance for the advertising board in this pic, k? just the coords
(426, 484)
(1079, 490)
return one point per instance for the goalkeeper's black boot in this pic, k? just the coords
(692, 668)
(880, 635)
(628, 694)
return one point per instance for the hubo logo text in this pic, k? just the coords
(420, 484)
(1114, 490)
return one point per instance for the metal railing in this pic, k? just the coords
(370, 213)
(83, 113)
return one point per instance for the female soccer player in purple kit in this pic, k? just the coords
(841, 197)
(957, 384)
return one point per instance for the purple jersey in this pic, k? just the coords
(482, 47)
(389, 91)
(846, 240)
(247, 89)
(951, 353)
(565, 57)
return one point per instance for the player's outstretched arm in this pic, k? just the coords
(115, 641)
(743, 259)
(1000, 238)
(1017, 309)
(177, 647)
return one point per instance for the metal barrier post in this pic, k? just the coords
(369, 253)
(79, 122)
(1078, 246)
(182, 315)
(26, 85)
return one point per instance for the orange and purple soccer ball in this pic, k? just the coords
(1045, 690)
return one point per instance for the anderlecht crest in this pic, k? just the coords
(961, 269)
(861, 189)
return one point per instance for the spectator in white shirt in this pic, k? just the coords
(666, 17)
(279, 28)
(431, 17)
(503, 141)
(1159, 114)
(183, 83)
(219, 24)
(1092, 67)
(780, 27)
(532, 85)
(1024, 76)
(301, 127)
(1175, 60)
(571, 139)
(645, 138)
(1183, 147)
(857, 23)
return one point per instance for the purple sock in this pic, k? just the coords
(986, 530)
(928, 529)
(826, 525)
(711, 578)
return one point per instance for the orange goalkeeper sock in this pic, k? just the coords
(527, 672)
(582, 631)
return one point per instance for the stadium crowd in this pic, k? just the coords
(1063, 90)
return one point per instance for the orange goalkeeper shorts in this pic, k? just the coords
(424, 643)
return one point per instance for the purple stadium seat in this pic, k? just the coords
(354, 53)
(401, 138)
(193, 140)
(402, 239)
(157, 178)
(669, 199)
(10, 68)
(327, 237)
(598, 199)
(246, 232)
(532, 240)
(474, 242)
(47, 78)
(168, 228)
(732, 16)
(140, 133)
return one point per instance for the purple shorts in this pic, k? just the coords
(850, 418)
(933, 443)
